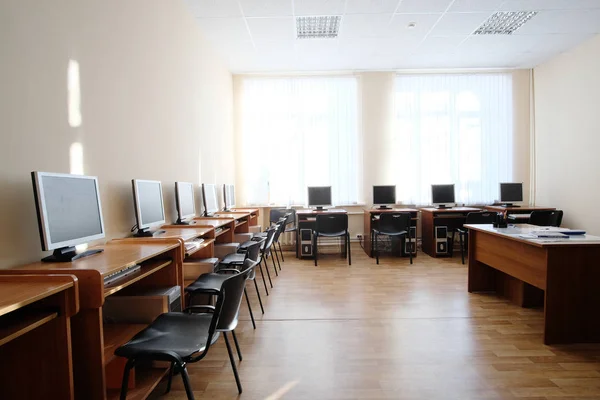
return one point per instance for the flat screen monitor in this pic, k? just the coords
(442, 195)
(209, 198)
(184, 198)
(229, 196)
(319, 196)
(69, 213)
(511, 193)
(148, 202)
(384, 196)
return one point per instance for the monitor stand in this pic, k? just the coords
(147, 233)
(384, 208)
(180, 222)
(68, 254)
(320, 208)
(509, 205)
(442, 206)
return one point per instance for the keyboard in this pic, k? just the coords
(193, 244)
(218, 230)
(519, 216)
(115, 276)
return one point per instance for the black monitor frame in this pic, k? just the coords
(377, 197)
(435, 194)
(509, 202)
(312, 191)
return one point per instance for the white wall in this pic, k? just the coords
(567, 119)
(156, 103)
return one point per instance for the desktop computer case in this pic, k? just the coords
(306, 244)
(441, 240)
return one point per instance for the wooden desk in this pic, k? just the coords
(371, 216)
(242, 220)
(566, 270)
(432, 218)
(254, 218)
(306, 221)
(517, 210)
(35, 335)
(94, 341)
(224, 227)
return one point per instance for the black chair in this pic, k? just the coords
(185, 337)
(332, 225)
(473, 218)
(393, 225)
(290, 224)
(546, 218)
(265, 249)
(281, 227)
(236, 260)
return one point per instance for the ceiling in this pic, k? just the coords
(259, 35)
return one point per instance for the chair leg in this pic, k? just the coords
(277, 257)
(462, 247)
(171, 370)
(274, 266)
(377, 248)
(315, 249)
(281, 252)
(263, 276)
(125, 384)
(258, 294)
(349, 252)
(268, 273)
(186, 383)
(235, 373)
(237, 345)
(451, 247)
(249, 308)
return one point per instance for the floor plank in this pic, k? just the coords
(391, 331)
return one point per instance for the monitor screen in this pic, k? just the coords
(68, 208)
(442, 194)
(229, 196)
(148, 200)
(384, 194)
(184, 197)
(209, 196)
(511, 192)
(319, 196)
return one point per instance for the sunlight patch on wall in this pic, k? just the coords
(74, 94)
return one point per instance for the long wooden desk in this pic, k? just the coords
(94, 341)
(371, 217)
(449, 218)
(254, 218)
(224, 227)
(306, 223)
(516, 211)
(35, 335)
(566, 270)
(242, 220)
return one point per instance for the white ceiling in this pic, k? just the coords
(260, 35)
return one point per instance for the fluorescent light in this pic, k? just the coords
(321, 27)
(504, 22)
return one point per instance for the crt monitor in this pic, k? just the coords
(511, 193)
(442, 195)
(229, 196)
(384, 195)
(69, 213)
(319, 196)
(209, 198)
(149, 208)
(184, 198)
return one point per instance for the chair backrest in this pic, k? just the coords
(480, 217)
(394, 222)
(231, 292)
(546, 218)
(281, 226)
(253, 250)
(331, 223)
(269, 239)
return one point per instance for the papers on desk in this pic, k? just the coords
(551, 232)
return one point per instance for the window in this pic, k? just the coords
(298, 132)
(453, 128)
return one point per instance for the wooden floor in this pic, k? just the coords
(391, 331)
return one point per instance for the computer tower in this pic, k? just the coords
(306, 244)
(141, 307)
(441, 240)
(410, 246)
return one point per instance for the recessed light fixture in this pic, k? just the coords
(411, 25)
(504, 22)
(320, 27)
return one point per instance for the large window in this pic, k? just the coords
(453, 128)
(299, 132)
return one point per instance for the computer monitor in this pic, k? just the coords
(383, 196)
(511, 193)
(184, 199)
(319, 196)
(442, 195)
(149, 207)
(229, 196)
(69, 213)
(209, 199)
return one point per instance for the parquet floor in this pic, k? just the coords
(391, 331)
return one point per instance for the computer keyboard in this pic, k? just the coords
(218, 230)
(193, 244)
(115, 276)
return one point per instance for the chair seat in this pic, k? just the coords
(332, 234)
(208, 283)
(175, 332)
(390, 233)
(234, 258)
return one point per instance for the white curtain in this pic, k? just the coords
(453, 128)
(299, 132)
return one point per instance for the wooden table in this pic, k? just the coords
(94, 341)
(566, 270)
(242, 220)
(371, 216)
(224, 227)
(446, 219)
(35, 335)
(516, 211)
(254, 218)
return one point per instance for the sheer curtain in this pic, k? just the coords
(453, 128)
(299, 132)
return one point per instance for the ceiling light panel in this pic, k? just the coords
(504, 22)
(319, 27)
